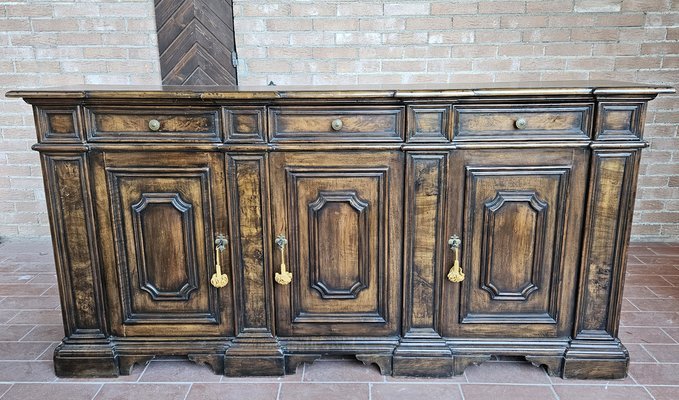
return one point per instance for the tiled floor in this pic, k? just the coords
(30, 326)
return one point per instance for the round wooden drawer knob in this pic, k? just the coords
(336, 124)
(154, 125)
(520, 123)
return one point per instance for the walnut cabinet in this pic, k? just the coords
(422, 229)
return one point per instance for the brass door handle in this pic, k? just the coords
(284, 277)
(455, 274)
(154, 125)
(218, 279)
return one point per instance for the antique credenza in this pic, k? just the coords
(421, 228)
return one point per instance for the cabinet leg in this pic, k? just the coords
(127, 362)
(383, 361)
(254, 358)
(214, 361)
(462, 361)
(292, 361)
(595, 360)
(86, 360)
(553, 364)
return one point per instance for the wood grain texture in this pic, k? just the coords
(196, 42)
(367, 210)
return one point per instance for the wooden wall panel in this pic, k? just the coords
(196, 42)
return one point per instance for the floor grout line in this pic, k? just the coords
(96, 394)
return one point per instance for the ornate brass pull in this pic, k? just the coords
(336, 124)
(284, 277)
(154, 125)
(520, 123)
(218, 279)
(455, 274)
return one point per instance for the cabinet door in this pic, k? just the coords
(519, 217)
(160, 217)
(341, 216)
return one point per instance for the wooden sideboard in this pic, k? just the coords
(420, 228)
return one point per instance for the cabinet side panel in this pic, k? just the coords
(611, 200)
(246, 195)
(69, 202)
(425, 190)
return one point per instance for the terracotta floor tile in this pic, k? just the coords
(329, 391)
(143, 391)
(655, 374)
(406, 379)
(70, 391)
(6, 315)
(45, 333)
(178, 371)
(641, 250)
(668, 292)
(26, 371)
(410, 391)
(233, 391)
(641, 319)
(14, 332)
(639, 292)
(45, 278)
(664, 353)
(665, 250)
(22, 289)
(48, 317)
(643, 335)
(644, 269)
(673, 332)
(10, 351)
(16, 278)
(513, 392)
(638, 354)
(48, 354)
(585, 392)
(341, 371)
(626, 381)
(30, 302)
(645, 280)
(628, 306)
(664, 392)
(669, 259)
(656, 304)
(506, 372)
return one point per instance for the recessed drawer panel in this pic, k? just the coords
(336, 124)
(149, 124)
(522, 122)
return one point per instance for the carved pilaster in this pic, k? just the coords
(86, 350)
(595, 350)
(255, 351)
(422, 351)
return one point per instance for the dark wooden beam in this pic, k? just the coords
(196, 42)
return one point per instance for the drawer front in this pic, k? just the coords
(522, 122)
(150, 124)
(334, 124)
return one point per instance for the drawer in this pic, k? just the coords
(175, 124)
(332, 124)
(503, 122)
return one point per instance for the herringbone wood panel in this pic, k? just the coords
(196, 42)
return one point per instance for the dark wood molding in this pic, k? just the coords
(196, 42)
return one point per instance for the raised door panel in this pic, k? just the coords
(520, 236)
(338, 215)
(164, 221)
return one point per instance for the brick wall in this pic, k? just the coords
(46, 43)
(363, 42)
(50, 43)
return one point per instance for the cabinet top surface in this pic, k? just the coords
(355, 91)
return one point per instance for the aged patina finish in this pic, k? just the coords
(421, 228)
